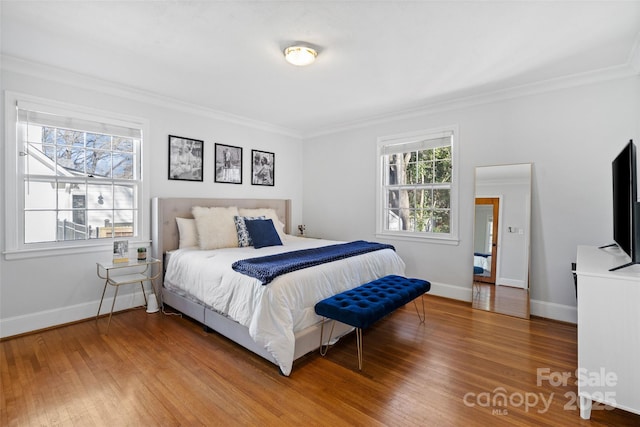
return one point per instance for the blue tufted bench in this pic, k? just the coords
(364, 305)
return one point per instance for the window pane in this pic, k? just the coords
(422, 219)
(79, 205)
(123, 144)
(68, 229)
(393, 198)
(39, 161)
(48, 135)
(442, 153)
(70, 158)
(425, 155)
(101, 224)
(66, 191)
(123, 223)
(442, 171)
(39, 195)
(423, 199)
(441, 221)
(123, 166)
(395, 166)
(393, 220)
(123, 196)
(99, 196)
(99, 163)
(411, 196)
(424, 172)
(442, 198)
(97, 141)
(39, 226)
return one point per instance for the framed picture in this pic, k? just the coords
(262, 167)
(185, 158)
(228, 164)
(120, 251)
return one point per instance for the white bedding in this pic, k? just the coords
(484, 262)
(275, 311)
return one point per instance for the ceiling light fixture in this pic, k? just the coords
(300, 55)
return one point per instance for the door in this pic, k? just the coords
(486, 243)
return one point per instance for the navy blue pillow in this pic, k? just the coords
(262, 233)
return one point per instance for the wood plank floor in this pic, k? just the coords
(501, 299)
(154, 369)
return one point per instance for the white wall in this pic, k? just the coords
(570, 135)
(39, 292)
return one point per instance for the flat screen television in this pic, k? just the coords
(626, 209)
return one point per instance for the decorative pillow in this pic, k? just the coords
(188, 233)
(244, 239)
(269, 214)
(216, 228)
(263, 233)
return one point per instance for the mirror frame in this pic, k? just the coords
(506, 297)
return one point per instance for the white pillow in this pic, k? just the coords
(268, 213)
(216, 228)
(188, 233)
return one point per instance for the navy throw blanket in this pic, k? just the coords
(269, 267)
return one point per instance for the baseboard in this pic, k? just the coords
(48, 318)
(548, 310)
(502, 281)
(450, 291)
(551, 310)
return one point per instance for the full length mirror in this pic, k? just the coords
(501, 239)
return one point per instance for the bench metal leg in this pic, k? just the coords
(324, 348)
(424, 316)
(359, 344)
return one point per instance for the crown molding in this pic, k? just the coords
(39, 70)
(83, 81)
(611, 73)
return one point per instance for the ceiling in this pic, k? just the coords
(376, 57)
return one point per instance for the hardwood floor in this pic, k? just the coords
(501, 299)
(164, 370)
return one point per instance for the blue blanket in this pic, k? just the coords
(269, 267)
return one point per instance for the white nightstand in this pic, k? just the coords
(105, 270)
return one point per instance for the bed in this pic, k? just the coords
(482, 264)
(276, 321)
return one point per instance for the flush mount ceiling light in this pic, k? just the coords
(300, 55)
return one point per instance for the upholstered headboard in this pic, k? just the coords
(164, 211)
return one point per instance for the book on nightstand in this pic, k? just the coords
(121, 251)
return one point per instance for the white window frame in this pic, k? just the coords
(15, 248)
(450, 238)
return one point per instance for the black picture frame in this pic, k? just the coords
(263, 166)
(186, 158)
(228, 164)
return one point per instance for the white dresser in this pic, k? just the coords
(608, 331)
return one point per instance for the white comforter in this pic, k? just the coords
(273, 312)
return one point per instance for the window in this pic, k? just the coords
(77, 177)
(417, 196)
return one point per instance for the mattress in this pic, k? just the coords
(274, 312)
